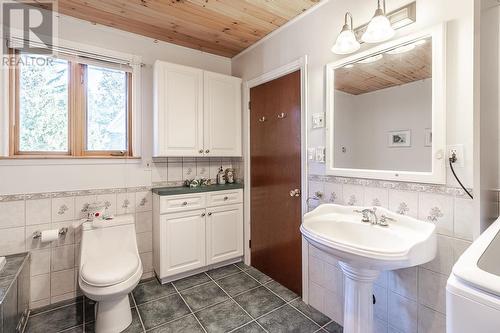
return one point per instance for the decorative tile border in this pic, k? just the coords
(402, 186)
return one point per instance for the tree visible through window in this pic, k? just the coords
(71, 108)
(43, 105)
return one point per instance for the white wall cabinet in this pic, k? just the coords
(193, 231)
(196, 113)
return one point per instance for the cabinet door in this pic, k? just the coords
(182, 242)
(224, 233)
(222, 115)
(178, 120)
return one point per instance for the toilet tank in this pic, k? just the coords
(100, 236)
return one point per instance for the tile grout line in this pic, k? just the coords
(231, 298)
(189, 308)
(136, 307)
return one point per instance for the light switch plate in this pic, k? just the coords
(320, 154)
(311, 154)
(318, 120)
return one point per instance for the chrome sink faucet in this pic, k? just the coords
(370, 216)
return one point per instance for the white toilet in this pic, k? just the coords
(110, 268)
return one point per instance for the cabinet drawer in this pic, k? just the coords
(224, 197)
(179, 203)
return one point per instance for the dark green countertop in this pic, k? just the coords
(9, 273)
(199, 189)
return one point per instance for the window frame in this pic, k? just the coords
(77, 116)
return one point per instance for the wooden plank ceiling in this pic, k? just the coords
(222, 27)
(392, 70)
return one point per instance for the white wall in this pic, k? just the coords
(20, 176)
(362, 126)
(315, 34)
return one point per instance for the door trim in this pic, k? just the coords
(298, 64)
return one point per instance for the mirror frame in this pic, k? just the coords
(437, 175)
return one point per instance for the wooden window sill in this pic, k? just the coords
(66, 157)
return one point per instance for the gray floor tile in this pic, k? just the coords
(252, 327)
(282, 291)
(258, 275)
(219, 273)
(89, 310)
(187, 324)
(241, 265)
(56, 320)
(311, 312)
(222, 317)
(152, 290)
(191, 281)
(287, 319)
(204, 295)
(333, 327)
(162, 311)
(76, 329)
(237, 283)
(258, 301)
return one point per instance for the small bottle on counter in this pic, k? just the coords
(230, 175)
(221, 176)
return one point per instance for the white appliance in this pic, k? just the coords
(473, 289)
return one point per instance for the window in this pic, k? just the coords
(65, 106)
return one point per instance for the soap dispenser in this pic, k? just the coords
(221, 177)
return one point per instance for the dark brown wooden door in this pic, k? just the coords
(275, 147)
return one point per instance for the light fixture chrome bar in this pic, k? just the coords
(399, 18)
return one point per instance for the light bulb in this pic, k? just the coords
(379, 29)
(346, 42)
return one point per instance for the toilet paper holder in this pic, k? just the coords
(38, 234)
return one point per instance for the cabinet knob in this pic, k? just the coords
(184, 203)
(209, 214)
(200, 151)
(202, 214)
(207, 151)
(226, 198)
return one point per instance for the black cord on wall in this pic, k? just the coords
(452, 160)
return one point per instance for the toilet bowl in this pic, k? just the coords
(110, 268)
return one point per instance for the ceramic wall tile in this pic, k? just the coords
(404, 202)
(188, 170)
(143, 222)
(143, 201)
(203, 169)
(12, 240)
(333, 193)
(214, 164)
(174, 173)
(159, 172)
(380, 307)
(82, 203)
(40, 262)
(145, 242)
(40, 303)
(353, 195)
(459, 247)
(125, 203)
(444, 260)
(38, 211)
(63, 257)
(147, 261)
(40, 287)
(317, 190)
(12, 214)
(63, 209)
(374, 196)
(430, 321)
(432, 289)
(67, 238)
(63, 297)
(404, 282)
(464, 218)
(437, 209)
(402, 313)
(62, 282)
(109, 202)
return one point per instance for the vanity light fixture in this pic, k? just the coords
(346, 41)
(371, 59)
(379, 29)
(402, 49)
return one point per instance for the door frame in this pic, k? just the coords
(298, 64)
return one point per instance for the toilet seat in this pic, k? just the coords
(108, 270)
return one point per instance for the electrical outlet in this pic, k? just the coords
(459, 152)
(147, 165)
(318, 120)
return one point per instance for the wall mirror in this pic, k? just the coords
(386, 111)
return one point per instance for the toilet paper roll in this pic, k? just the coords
(49, 235)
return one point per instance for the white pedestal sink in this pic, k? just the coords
(365, 249)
